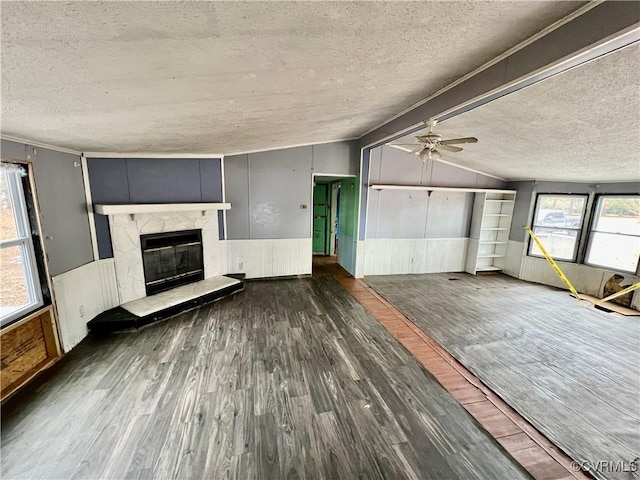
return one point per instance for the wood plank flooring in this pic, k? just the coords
(290, 379)
(573, 373)
(520, 439)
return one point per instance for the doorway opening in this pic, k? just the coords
(326, 198)
(334, 218)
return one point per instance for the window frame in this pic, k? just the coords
(591, 229)
(25, 241)
(579, 231)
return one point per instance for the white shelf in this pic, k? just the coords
(489, 268)
(134, 208)
(490, 225)
(377, 186)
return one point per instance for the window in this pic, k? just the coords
(20, 290)
(615, 233)
(557, 224)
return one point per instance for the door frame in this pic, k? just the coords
(325, 202)
(334, 200)
(328, 176)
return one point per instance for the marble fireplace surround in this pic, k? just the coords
(128, 222)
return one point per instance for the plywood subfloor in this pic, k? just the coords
(574, 373)
(290, 379)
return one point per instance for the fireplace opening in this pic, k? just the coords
(171, 259)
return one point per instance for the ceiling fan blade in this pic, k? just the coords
(454, 141)
(449, 148)
(403, 145)
(423, 138)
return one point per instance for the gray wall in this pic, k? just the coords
(415, 213)
(61, 197)
(266, 189)
(520, 209)
(151, 180)
(525, 197)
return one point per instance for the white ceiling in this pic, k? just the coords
(202, 77)
(582, 125)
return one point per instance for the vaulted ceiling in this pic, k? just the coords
(224, 77)
(581, 125)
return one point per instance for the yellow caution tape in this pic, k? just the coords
(630, 288)
(554, 265)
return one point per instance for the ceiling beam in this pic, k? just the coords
(600, 30)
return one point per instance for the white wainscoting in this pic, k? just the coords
(585, 279)
(269, 257)
(80, 295)
(419, 255)
(512, 263)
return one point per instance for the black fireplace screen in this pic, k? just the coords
(171, 259)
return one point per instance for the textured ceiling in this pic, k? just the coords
(233, 76)
(582, 125)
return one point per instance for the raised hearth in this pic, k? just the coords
(166, 304)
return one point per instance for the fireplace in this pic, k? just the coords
(171, 259)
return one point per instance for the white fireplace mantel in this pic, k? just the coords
(135, 208)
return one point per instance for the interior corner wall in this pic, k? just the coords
(151, 180)
(414, 231)
(267, 189)
(60, 191)
(271, 205)
(585, 278)
(61, 198)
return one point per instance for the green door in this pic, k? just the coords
(320, 217)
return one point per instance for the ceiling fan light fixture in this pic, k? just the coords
(435, 155)
(424, 155)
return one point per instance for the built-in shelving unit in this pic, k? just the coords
(490, 225)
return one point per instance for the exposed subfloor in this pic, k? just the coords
(291, 378)
(573, 372)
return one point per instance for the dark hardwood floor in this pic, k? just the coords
(289, 379)
(572, 372)
(326, 265)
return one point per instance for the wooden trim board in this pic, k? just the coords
(610, 307)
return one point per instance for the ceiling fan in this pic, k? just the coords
(430, 143)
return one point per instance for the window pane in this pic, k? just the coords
(559, 211)
(14, 293)
(8, 228)
(619, 252)
(560, 244)
(618, 215)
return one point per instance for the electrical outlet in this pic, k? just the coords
(81, 309)
(240, 266)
